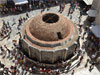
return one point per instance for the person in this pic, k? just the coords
(30, 70)
(24, 19)
(79, 19)
(27, 15)
(81, 13)
(63, 7)
(8, 51)
(58, 72)
(43, 7)
(72, 72)
(83, 51)
(7, 23)
(86, 62)
(81, 58)
(69, 65)
(56, 2)
(30, 7)
(91, 66)
(36, 3)
(41, 72)
(20, 8)
(21, 20)
(4, 22)
(69, 11)
(60, 7)
(19, 24)
(48, 5)
(1, 50)
(84, 35)
(13, 21)
(8, 36)
(78, 40)
(71, 16)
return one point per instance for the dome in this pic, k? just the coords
(45, 37)
(50, 27)
(49, 30)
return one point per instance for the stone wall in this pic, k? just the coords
(45, 56)
(35, 54)
(96, 6)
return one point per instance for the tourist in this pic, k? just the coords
(72, 72)
(19, 35)
(24, 19)
(30, 70)
(43, 7)
(4, 22)
(72, 6)
(58, 72)
(8, 36)
(41, 72)
(21, 20)
(27, 15)
(71, 16)
(69, 65)
(63, 7)
(60, 7)
(1, 50)
(30, 7)
(7, 23)
(14, 22)
(69, 11)
(81, 58)
(87, 62)
(91, 66)
(48, 4)
(84, 35)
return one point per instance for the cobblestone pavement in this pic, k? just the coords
(75, 19)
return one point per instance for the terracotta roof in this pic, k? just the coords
(46, 31)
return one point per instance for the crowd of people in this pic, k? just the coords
(93, 47)
(21, 67)
(5, 30)
(27, 7)
(38, 4)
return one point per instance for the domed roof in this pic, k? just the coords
(50, 27)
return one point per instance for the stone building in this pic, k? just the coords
(48, 37)
(96, 6)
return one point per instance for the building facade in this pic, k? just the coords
(96, 6)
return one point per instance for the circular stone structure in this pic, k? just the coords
(48, 37)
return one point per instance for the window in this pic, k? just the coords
(59, 35)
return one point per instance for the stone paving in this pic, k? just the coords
(75, 19)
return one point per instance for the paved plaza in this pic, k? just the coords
(81, 70)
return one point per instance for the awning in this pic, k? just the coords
(92, 13)
(96, 30)
(88, 2)
(20, 2)
(2, 1)
(98, 59)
